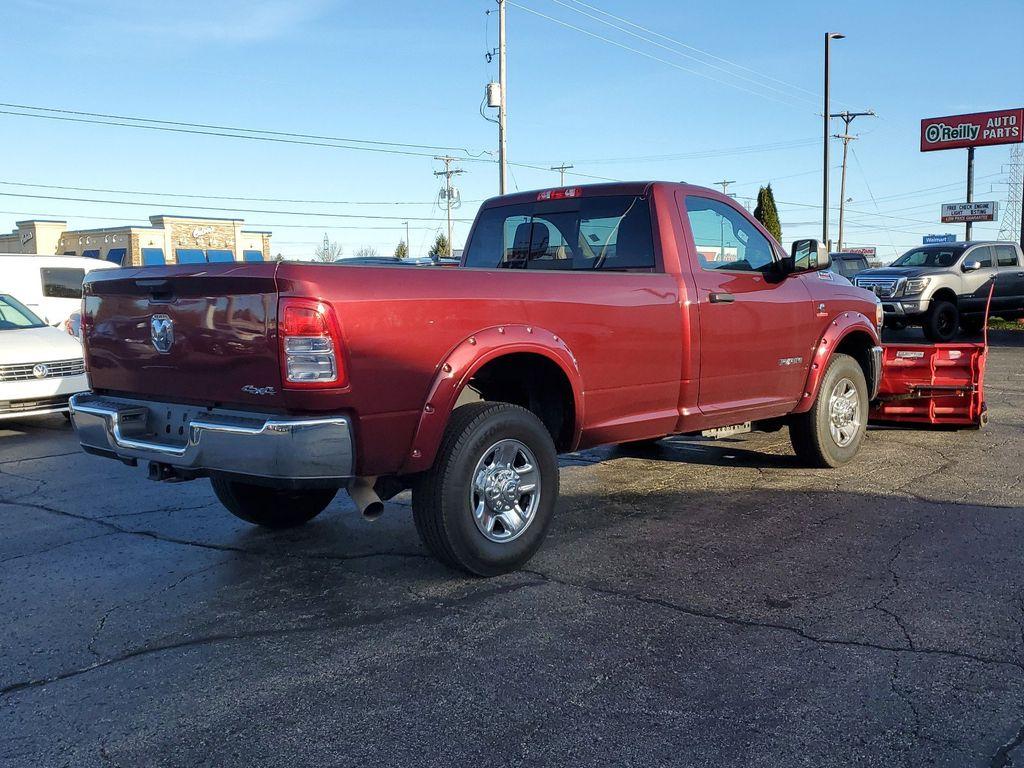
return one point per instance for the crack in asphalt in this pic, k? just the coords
(1002, 758)
(318, 556)
(371, 619)
(38, 458)
(897, 551)
(106, 614)
(746, 623)
(55, 546)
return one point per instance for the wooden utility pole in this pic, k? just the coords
(561, 172)
(503, 88)
(448, 172)
(847, 118)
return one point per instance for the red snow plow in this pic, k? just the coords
(936, 384)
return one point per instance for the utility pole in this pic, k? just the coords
(448, 172)
(408, 243)
(847, 138)
(561, 172)
(724, 184)
(503, 88)
(847, 118)
(829, 37)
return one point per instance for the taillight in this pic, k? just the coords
(311, 354)
(560, 194)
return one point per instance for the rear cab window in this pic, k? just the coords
(61, 282)
(609, 233)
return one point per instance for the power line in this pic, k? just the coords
(727, 72)
(698, 50)
(199, 131)
(289, 134)
(275, 225)
(647, 55)
(218, 197)
(708, 153)
(232, 209)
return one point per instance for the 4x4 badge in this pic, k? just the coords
(161, 332)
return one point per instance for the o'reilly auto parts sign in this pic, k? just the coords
(958, 213)
(980, 129)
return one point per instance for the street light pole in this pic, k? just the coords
(829, 37)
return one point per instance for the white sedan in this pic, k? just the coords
(40, 366)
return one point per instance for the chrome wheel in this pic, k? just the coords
(505, 492)
(844, 416)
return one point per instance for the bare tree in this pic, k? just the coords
(328, 250)
(366, 252)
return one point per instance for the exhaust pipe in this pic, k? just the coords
(366, 499)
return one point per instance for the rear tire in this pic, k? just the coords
(831, 432)
(941, 322)
(486, 504)
(271, 507)
(972, 325)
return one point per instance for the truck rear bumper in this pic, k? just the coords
(258, 446)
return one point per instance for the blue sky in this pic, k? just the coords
(414, 72)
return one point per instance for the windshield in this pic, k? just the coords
(609, 232)
(14, 315)
(945, 256)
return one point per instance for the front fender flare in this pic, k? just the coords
(840, 327)
(464, 360)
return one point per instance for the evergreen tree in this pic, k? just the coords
(767, 213)
(401, 250)
(441, 247)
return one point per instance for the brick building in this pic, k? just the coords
(168, 240)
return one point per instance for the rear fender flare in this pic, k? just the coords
(464, 360)
(840, 327)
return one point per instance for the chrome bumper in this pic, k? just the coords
(217, 441)
(876, 373)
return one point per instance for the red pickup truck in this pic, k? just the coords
(579, 316)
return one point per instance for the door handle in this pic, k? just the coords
(721, 298)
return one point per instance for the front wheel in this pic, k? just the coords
(271, 507)
(830, 433)
(942, 320)
(486, 504)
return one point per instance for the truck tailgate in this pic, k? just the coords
(205, 334)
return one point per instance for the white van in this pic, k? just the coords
(51, 286)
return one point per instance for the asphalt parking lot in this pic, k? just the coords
(697, 604)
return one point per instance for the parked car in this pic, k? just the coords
(942, 287)
(40, 366)
(50, 286)
(849, 265)
(579, 317)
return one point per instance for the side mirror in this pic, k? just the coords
(806, 256)
(971, 266)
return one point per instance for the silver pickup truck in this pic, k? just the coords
(943, 287)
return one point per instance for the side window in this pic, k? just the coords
(982, 255)
(62, 283)
(725, 239)
(1006, 256)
